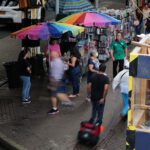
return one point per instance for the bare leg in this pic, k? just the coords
(54, 102)
(54, 110)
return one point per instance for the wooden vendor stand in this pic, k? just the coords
(138, 128)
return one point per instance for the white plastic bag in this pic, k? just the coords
(126, 63)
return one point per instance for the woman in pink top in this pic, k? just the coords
(52, 47)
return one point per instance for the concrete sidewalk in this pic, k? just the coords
(31, 127)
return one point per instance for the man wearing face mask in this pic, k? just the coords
(118, 53)
(25, 73)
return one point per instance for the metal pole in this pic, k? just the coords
(57, 7)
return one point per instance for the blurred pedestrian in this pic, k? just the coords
(139, 16)
(25, 73)
(74, 72)
(52, 47)
(146, 11)
(56, 86)
(93, 67)
(118, 53)
(147, 24)
(99, 89)
(121, 79)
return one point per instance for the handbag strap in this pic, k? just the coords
(123, 75)
(120, 44)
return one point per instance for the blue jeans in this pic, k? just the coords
(97, 112)
(75, 79)
(26, 86)
(125, 103)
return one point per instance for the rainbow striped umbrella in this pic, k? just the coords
(45, 30)
(89, 19)
(75, 6)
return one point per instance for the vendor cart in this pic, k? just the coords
(138, 128)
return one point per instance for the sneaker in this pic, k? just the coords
(28, 97)
(88, 99)
(53, 111)
(72, 96)
(67, 103)
(91, 121)
(97, 124)
(78, 94)
(26, 102)
(24, 99)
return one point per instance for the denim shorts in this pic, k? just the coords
(59, 87)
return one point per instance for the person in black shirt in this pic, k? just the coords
(99, 89)
(25, 72)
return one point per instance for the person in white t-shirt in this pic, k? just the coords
(121, 79)
(56, 86)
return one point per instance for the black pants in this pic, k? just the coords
(127, 2)
(97, 112)
(115, 66)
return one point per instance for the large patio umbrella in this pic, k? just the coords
(89, 19)
(45, 30)
(75, 6)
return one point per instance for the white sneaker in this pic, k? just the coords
(72, 96)
(88, 99)
(26, 102)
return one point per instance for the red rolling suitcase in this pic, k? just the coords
(89, 133)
